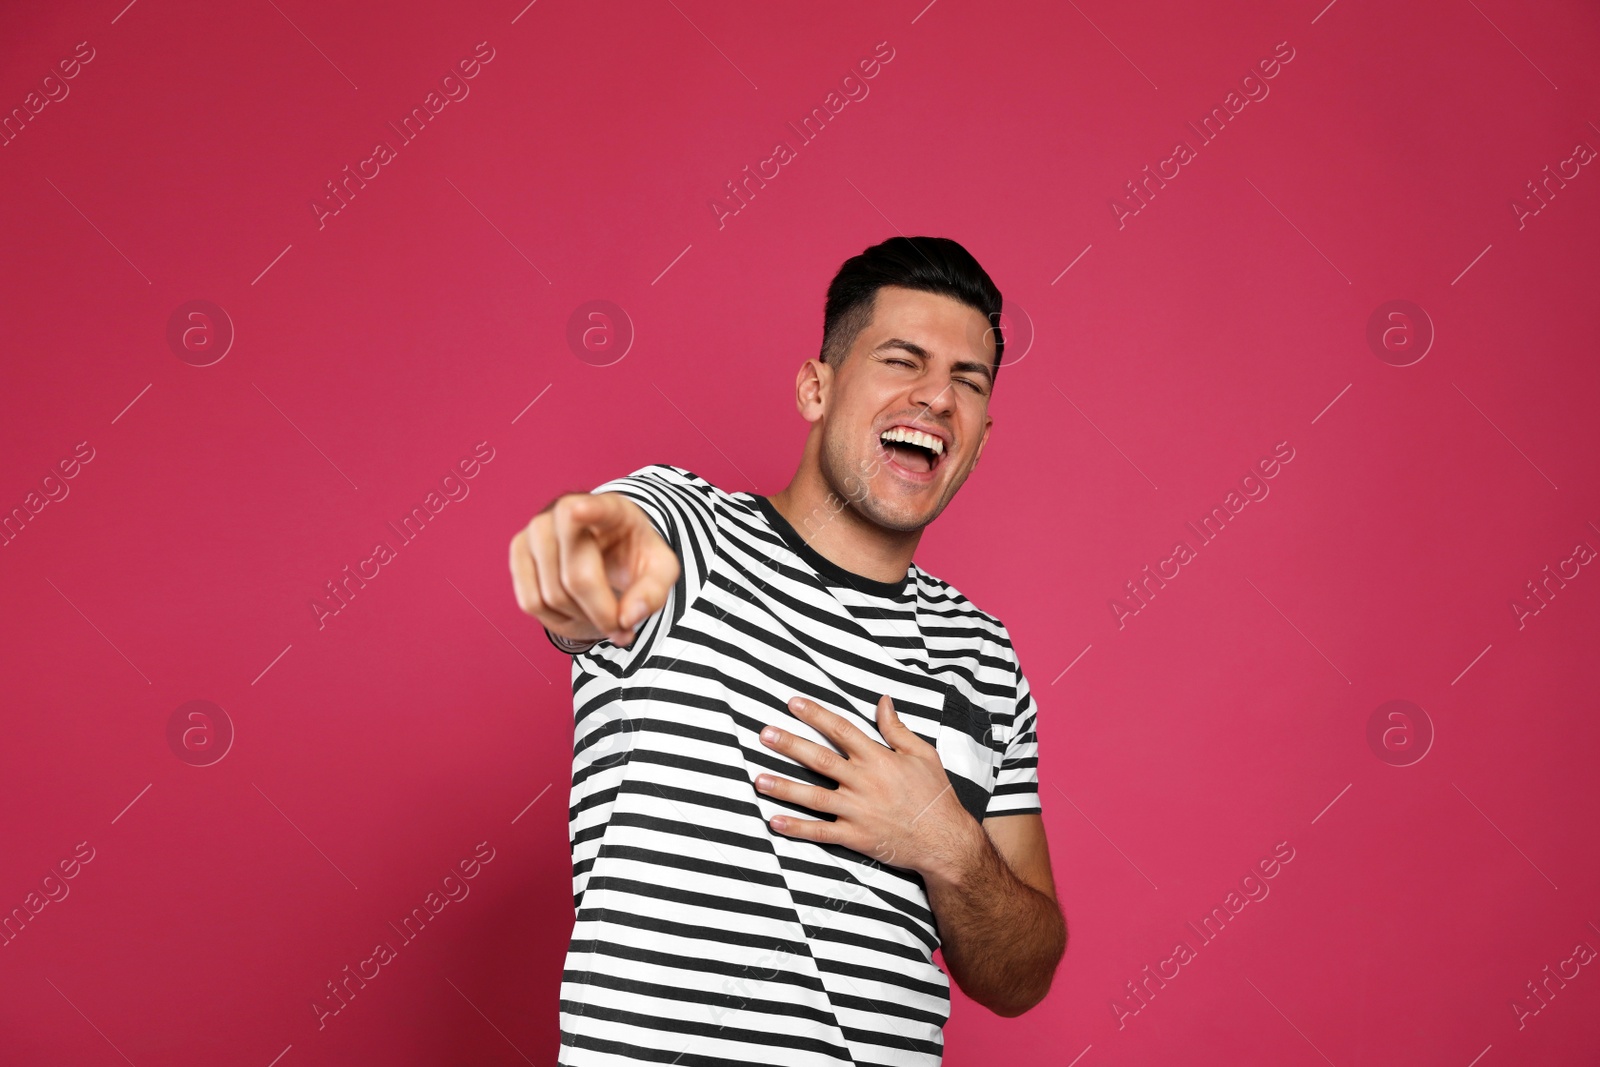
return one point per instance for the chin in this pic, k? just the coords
(905, 516)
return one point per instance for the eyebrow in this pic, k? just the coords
(922, 353)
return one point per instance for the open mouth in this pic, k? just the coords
(915, 451)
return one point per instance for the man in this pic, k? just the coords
(774, 896)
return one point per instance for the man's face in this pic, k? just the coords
(923, 364)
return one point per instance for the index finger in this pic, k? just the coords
(581, 563)
(852, 741)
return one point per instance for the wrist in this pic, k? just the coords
(572, 645)
(966, 852)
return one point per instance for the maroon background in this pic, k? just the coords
(372, 353)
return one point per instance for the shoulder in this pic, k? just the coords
(668, 476)
(667, 484)
(942, 599)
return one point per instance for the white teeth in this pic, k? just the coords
(915, 437)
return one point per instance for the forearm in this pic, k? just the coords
(1001, 938)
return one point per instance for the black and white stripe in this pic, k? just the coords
(702, 938)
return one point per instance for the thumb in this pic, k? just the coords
(890, 725)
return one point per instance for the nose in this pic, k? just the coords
(936, 400)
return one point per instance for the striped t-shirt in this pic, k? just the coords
(702, 937)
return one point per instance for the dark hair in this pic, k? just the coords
(930, 264)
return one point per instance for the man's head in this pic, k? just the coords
(911, 340)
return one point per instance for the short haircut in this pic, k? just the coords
(929, 264)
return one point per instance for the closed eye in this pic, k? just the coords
(974, 386)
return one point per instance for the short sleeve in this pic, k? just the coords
(1016, 789)
(681, 507)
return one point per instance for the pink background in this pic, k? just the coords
(376, 748)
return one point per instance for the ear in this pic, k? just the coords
(812, 386)
(988, 421)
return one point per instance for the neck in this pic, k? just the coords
(831, 525)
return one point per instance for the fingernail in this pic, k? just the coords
(769, 734)
(763, 781)
(796, 703)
